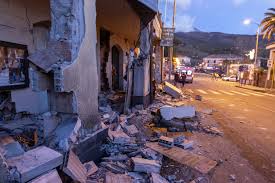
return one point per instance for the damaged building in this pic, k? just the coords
(60, 55)
(60, 61)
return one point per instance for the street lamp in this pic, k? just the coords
(248, 22)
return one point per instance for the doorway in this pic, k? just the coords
(117, 69)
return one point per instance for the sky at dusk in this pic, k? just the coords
(216, 15)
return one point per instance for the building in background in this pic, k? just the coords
(220, 62)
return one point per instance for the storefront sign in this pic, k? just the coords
(167, 37)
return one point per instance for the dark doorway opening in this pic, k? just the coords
(117, 68)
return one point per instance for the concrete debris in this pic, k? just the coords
(207, 111)
(199, 163)
(146, 166)
(186, 144)
(119, 157)
(75, 169)
(4, 170)
(115, 167)
(212, 130)
(12, 149)
(157, 178)
(166, 141)
(232, 177)
(49, 177)
(91, 168)
(120, 137)
(172, 90)
(89, 148)
(117, 178)
(35, 162)
(169, 113)
(50, 123)
(131, 130)
(67, 133)
(151, 154)
(178, 139)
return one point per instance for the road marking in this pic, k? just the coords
(228, 93)
(239, 93)
(214, 92)
(255, 94)
(201, 91)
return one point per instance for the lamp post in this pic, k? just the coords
(248, 22)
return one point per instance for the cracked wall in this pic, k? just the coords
(81, 76)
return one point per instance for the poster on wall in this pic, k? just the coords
(13, 65)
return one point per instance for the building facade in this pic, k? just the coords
(59, 55)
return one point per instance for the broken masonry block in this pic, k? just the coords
(168, 113)
(179, 139)
(74, 168)
(172, 90)
(166, 141)
(146, 166)
(131, 130)
(51, 176)
(91, 168)
(119, 137)
(35, 162)
(117, 178)
(187, 144)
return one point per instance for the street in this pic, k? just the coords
(245, 116)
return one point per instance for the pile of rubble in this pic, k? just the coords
(125, 148)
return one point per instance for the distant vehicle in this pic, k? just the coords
(188, 71)
(232, 78)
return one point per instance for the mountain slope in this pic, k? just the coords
(200, 44)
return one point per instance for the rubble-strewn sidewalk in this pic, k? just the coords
(156, 144)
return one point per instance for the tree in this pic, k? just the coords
(268, 24)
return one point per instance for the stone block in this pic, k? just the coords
(172, 90)
(166, 141)
(119, 137)
(131, 130)
(50, 177)
(75, 169)
(187, 144)
(169, 113)
(117, 178)
(146, 166)
(35, 162)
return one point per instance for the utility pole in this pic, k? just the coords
(257, 47)
(171, 48)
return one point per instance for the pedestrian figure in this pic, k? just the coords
(183, 78)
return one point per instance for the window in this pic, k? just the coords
(13, 66)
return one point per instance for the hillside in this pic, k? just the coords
(200, 44)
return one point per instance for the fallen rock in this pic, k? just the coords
(172, 90)
(145, 165)
(169, 113)
(198, 97)
(232, 177)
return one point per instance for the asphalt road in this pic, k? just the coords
(247, 118)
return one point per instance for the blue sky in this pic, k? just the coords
(216, 15)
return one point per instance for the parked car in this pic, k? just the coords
(232, 78)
